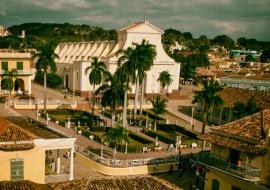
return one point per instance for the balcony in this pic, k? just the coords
(19, 72)
(245, 172)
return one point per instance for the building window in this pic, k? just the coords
(235, 188)
(19, 65)
(16, 169)
(215, 184)
(4, 65)
(77, 75)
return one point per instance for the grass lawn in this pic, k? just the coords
(172, 135)
(74, 116)
(132, 142)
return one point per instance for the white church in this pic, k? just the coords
(75, 57)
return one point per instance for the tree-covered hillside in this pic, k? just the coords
(37, 33)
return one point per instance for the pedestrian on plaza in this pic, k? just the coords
(156, 169)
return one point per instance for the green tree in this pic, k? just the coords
(9, 76)
(249, 57)
(126, 74)
(112, 94)
(241, 109)
(159, 107)
(145, 54)
(224, 41)
(98, 72)
(265, 56)
(165, 79)
(207, 98)
(116, 136)
(44, 59)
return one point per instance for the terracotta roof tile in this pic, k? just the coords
(11, 132)
(232, 95)
(245, 134)
(115, 183)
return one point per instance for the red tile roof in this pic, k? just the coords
(11, 132)
(245, 134)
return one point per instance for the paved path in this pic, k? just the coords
(92, 145)
(176, 117)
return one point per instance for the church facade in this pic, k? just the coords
(75, 57)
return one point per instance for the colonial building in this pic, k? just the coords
(75, 57)
(21, 62)
(23, 147)
(240, 154)
(3, 31)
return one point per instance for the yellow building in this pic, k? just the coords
(21, 62)
(240, 154)
(23, 149)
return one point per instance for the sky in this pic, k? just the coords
(235, 18)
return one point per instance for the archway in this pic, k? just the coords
(215, 184)
(6, 86)
(19, 85)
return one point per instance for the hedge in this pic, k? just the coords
(120, 147)
(160, 137)
(139, 138)
(173, 127)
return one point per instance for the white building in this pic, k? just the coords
(75, 57)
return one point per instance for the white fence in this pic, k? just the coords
(126, 163)
(39, 104)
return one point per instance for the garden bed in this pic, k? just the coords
(168, 133)
(63, 115)
(135, 145)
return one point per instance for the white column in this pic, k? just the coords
(29, 86)
(58, 167)
(71, 164)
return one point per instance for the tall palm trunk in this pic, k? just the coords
(124, 122)
(141, 101)
(155, 123)
(136, 99)
(220, 115)
(113, 117)
(45, 93)
(114, 151)
(93, 103)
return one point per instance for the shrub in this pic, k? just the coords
(98, 129)
(53, 80)
(139, 138)
(173, 127)
(160, 137)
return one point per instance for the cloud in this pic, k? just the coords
(230, 27)
(209, 17)
(60, 4)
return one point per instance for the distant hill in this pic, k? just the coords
(36, 33)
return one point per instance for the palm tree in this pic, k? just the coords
(112, 94)
(126, 74)
(96, 76)
(207, 98)
(159, 107)
(116, 136)
(145, 55)
(9, 76)
(44, 61)
(165, 79)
